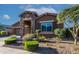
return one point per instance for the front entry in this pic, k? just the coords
(27, 27)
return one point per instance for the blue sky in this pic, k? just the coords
(9, 13)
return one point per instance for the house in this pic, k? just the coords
(31, 21)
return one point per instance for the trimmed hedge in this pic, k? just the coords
(31, 45)
(2, 33)
(10, 40)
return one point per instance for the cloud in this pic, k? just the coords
(6, 16)
(40, 10)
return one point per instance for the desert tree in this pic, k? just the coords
(71, 13)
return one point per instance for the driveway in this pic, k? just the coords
(7, 50)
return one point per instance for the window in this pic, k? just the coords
(46, 26)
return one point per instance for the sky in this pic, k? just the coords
(9, 13)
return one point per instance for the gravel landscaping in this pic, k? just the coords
(8, 49)
(65, 47)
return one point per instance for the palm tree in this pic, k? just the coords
(73, 14)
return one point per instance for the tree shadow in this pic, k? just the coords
(16, 46)
(40, 50)
(67, 42)
(63, 41)
(46, 50)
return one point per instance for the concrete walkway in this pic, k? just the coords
(7, 50)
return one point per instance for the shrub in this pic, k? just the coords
(41, 37)
(10, 40)
(28, 37)
(31, 45)
(59, 33)
(3, 33)
(0, 33)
